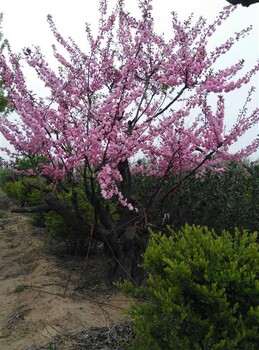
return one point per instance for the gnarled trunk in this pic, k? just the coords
(126, 248)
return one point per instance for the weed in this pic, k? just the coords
(3, 214)
(20, 288)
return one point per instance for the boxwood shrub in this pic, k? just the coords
(201, 293)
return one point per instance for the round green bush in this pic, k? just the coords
(202, 292)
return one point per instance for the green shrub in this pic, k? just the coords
(20, 288)
(6, 175)
(61, 234)
(25, 195)
(14, 190)
(219, 200)
(56, 227)
(202, 292)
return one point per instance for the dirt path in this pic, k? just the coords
(33, 308)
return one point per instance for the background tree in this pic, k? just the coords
(132, 95)
(246, 3)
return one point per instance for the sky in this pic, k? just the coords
(25, 25)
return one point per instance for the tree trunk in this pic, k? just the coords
(127, 248)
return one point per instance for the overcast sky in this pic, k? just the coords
(25, 25)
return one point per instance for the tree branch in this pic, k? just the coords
(169, 104)
(178, 184)
(126, 184)
(34, 209)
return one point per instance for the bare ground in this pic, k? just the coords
(50, 302)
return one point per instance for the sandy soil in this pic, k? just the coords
(42, 297)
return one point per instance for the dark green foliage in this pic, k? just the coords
(59, 231)
(202, 292)
(6, 175)
(33, 163)
(219, 200)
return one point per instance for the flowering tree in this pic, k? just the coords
(132, 95)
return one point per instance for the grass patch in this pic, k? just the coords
(20, 288)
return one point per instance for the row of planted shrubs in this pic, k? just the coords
(219, 200)
(202, 292)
